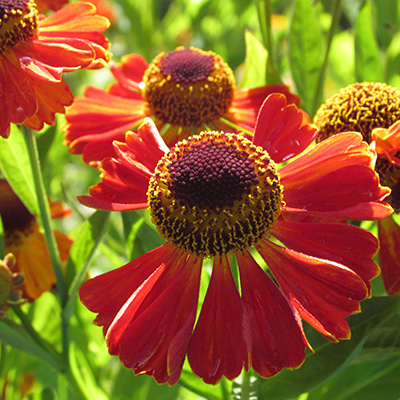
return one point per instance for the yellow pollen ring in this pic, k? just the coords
(17, 25)
(209, 231)
(189, 104)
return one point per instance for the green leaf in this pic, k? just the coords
(196, 385)
(330, 358)
(368, 61)
(257, 71)
(15, 336)
(85, 378)
(387, 24)
(140, 236)
(81, 254)
(305, 51)
(126, 386)
(16, 167)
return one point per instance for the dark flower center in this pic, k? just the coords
(186, 66)
(188, 87)
(18, 22)
(215, 193)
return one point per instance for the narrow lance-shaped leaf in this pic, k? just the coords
(330, 358)
(16, 167)
(305, 50)
(367, 57)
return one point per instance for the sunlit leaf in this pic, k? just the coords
(82, 253)
(330, 358)
(367, 57)
(15, 165)
(14, 335)
(305, 51)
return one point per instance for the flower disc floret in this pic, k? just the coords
(18, 21)
(214, 194)
(359, 107)
(188, 87)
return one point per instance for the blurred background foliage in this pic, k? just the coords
(316, 47)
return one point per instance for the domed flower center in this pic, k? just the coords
(359, 107)
(187, 66)
(188, 87)
(215, 193)
(18, 21)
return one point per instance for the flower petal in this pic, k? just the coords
(18, 100)
(337, 176)
(277, 337)
(107, 293)
(389, 261)
(129, 73)
(219, 346)
(283, 130)
(345, 244)
(323, 292)
(152, 330)
(52, 98)
(98, 118)
(246, 104)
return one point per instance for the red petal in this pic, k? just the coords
(107, 293)
(219, 343)
(323, 292)
(129, 73)
(345, 244)
(98, 119)
(277, 338)
(152, 330)
(352, 192)
(281, 129)
(389, 260)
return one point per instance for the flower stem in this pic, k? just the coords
(245, 386)
(336, 11)
(264, 13)
(48, 232)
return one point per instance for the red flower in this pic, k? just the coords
(35, 51)
(387, 145)
(187, 90)
(27, 243)
(221, 196)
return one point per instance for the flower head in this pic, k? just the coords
(27, 243)
(221, 196)
(373, 109)
(35, 51)
(185, 91)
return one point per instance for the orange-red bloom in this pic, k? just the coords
(46, 5)
(35, 51)
(387, 145)
(27, 243)
(219, 195)
(184, 91)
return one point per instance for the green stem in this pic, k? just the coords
(336, 11)
(264, 13)
(48, 232)
(34, 335)
(245, 386)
